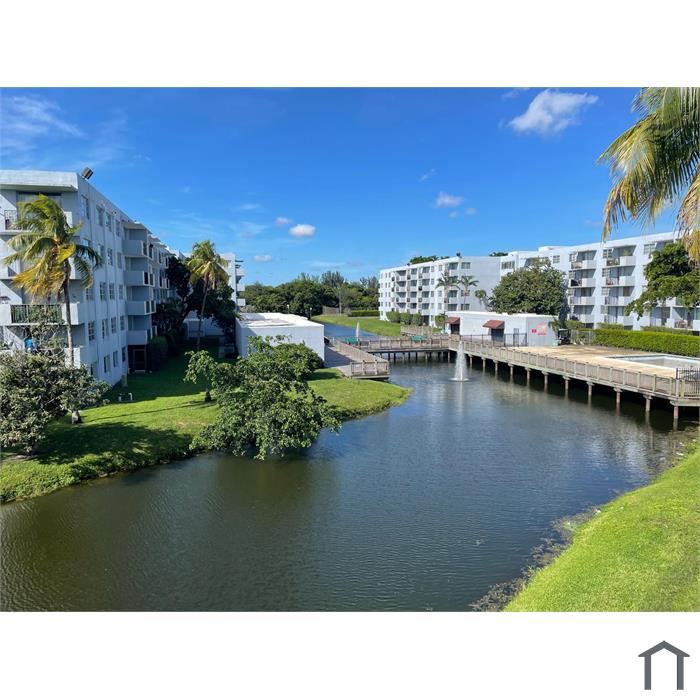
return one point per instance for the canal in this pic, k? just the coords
(423, 507)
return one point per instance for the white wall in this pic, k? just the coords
(535, 327)
(296, 329)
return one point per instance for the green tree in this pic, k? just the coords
(209, 268)
(656, 163)
(418, 259)
(466, 282)
(537, 289)
(670, 273)
(446, 282)
(48, 245)
(37, 387)
(483, 297)
(266, 407)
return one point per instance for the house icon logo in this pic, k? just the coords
(680, 658)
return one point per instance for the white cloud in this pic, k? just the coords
(250, 206)
(470, 211)
(247, 229)
(262, 258)
(282, 221)
(448, 200)
(26, 118)
(303, 231)
(453, 214)
(513, 92)
(551, 112)
(428, 175)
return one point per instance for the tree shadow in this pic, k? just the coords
(96, 449)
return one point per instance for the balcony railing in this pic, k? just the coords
(35, 313)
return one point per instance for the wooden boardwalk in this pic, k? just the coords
(354, 362)
(594, 365)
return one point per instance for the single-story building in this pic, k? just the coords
(292, 328)
(511, 327)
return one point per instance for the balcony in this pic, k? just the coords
(622, 320)
(135, 278)
(618, 282)
(135, 249)
(8, 222)
(583, 265)
(584, 282)
(137, 337)
(584, 318)
(30, 314)
(139, 308)
(619, 300)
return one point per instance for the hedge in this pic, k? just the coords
(672, 343)
(663, 329)
(374, 313)
(157, 352)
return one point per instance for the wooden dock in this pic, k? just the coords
(354, 362)
(594, 365)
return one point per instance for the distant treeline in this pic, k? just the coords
(308, 294)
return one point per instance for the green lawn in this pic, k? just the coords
(157, 427)
(354, 398)
(371, 325)
(640, 553)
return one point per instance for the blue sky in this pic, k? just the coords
(355, 180)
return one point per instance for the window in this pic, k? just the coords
(84, 208)
(109, 221)
(118, 227)
(555, 258)
(121, 291)
(119, 260)
(102, 251)
(101, 218)
(115, 358)
(510, 265)
(110, 256)
(91, 330)
(608, 253)
(111, 290)
(103, 291)
(93, 369)
(123, 352)
(121, 323)
(104, 328)
(105, 363)
(90, 293)
(113, 324)
(466, 265)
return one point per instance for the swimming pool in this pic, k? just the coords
(672, 361)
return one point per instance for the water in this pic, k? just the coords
(422, 507)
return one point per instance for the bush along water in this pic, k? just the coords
(671, 343)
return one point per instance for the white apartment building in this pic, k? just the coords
(601, 278)
(111, 320)
(414, 288)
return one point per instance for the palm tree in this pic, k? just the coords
(467, 281)
(482, 296)
(47, 243)
(656, 163)
(208, 267)
(446, 282)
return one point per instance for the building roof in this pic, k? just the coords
(273, 320)
(494, 324)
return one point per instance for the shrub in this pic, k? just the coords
(157, 352)
(611, 326)
(406, 318)
(417, 319)
(663, 329)
(672, 343)
(393, 316)
(364, 313)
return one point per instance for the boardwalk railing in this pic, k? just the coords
(617, 377)
(361, 364)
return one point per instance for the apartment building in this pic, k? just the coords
(415, 288)
(112, 320)
(601, 279)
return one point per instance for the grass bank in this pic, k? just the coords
(157, 427)
(371, 325)
(641, 552)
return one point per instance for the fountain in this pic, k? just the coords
(357, 331)
(460, 365)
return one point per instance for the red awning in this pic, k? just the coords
(452, 320)
(494, 325)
